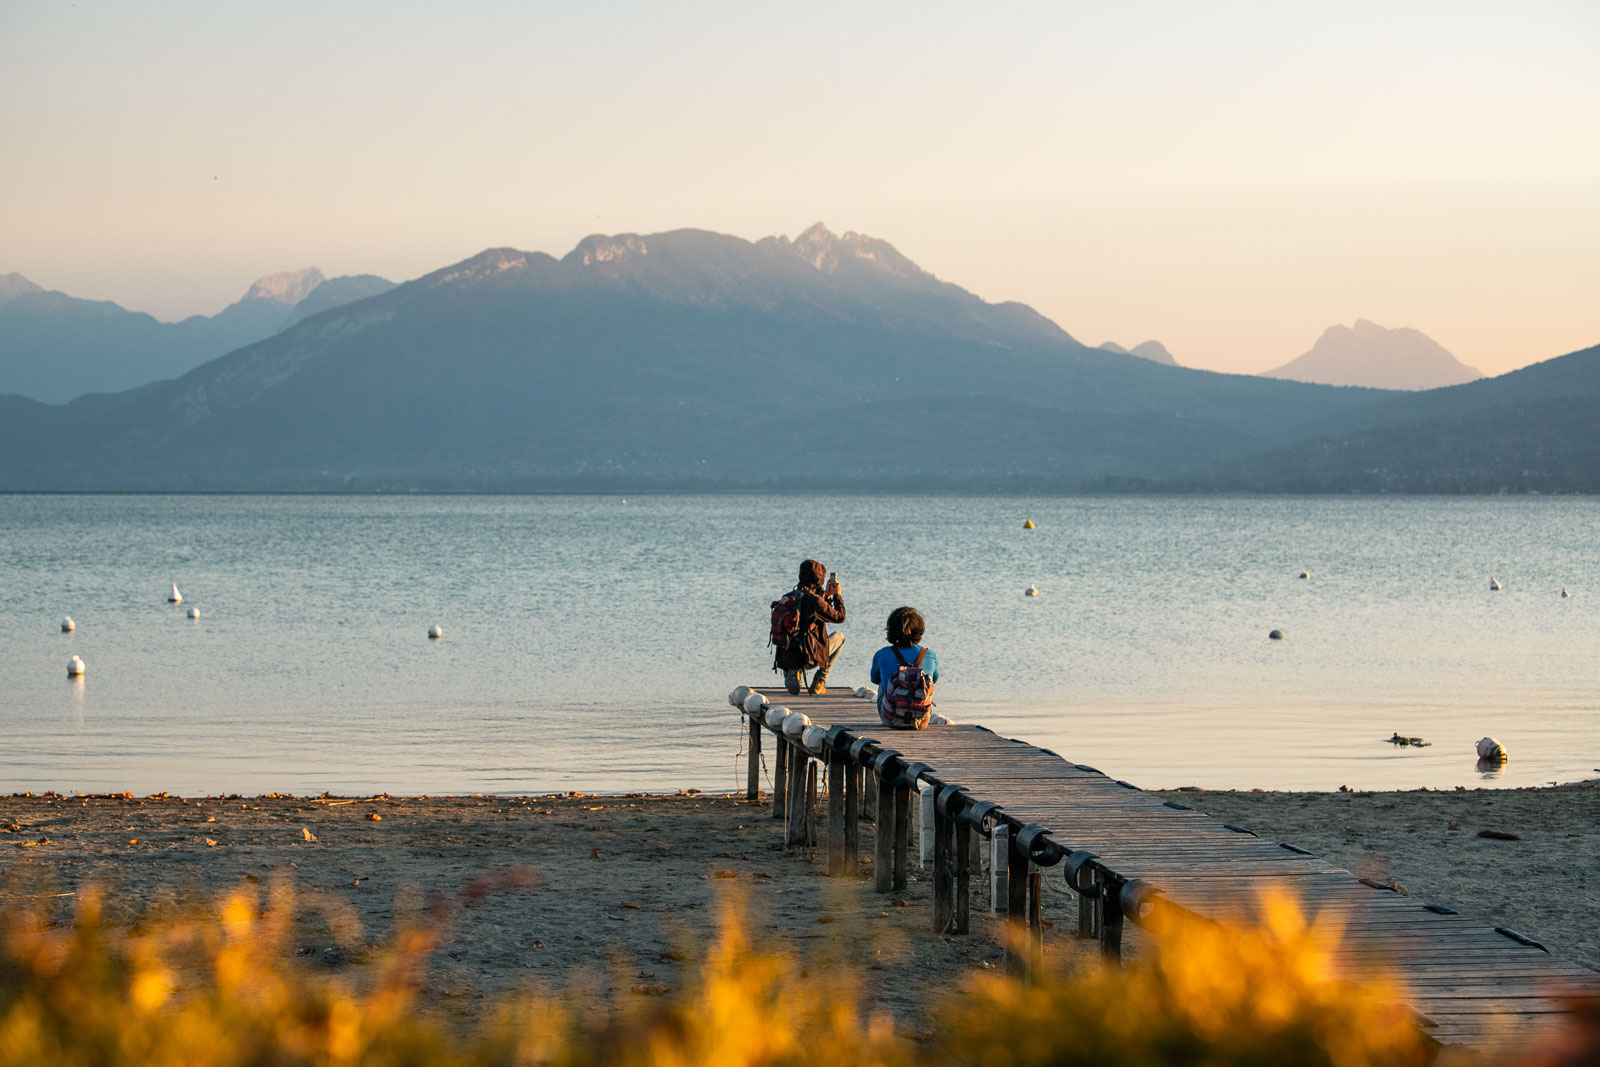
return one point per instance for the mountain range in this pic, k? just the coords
(1367, 354)
(692, 360)
(1151, 350)
(54, 347)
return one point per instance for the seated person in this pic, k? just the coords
(904, 673)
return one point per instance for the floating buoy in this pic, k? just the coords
(436, 630)
(193, 612)
(1494, 584)
(67, 625)
(1564, 593)
(74, 667)
(175, 597)
(1031, 591)
(1027, 524)
(1305, 574)
(1492, 750)
(1276, 635)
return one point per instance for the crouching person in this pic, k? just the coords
(904, 673)
(800, 634)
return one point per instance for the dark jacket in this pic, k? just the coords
(816, 611)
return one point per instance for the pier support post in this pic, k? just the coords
(1088, 903)
(836, 816)
(883, 843)
(927, 824)
(1035, 920)
(852, 816)
(752, 784)
(870, 808)
(796, 824)
(944, 870)
(780, 780)
(1016, 912)
(1110, 919)
(902, 832)
(964, 852)
(811, 804)
(999, 868)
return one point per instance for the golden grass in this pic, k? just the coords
(219, 989)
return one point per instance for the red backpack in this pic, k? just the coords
(785, 635)
(906, 700)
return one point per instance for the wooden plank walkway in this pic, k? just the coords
(1123, 853)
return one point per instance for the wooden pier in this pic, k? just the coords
(1021, 813)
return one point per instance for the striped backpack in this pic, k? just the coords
(906, 699)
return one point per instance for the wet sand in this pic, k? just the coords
(1545, 884)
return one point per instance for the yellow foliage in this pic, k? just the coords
(218, 990)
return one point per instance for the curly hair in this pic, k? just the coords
(905, 627)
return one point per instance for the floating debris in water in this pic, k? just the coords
(1414, 742)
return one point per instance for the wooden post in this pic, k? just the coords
(1088, 902)
(811, 803)
(870, 812)
(1110, 920)
(780, 780)
(902, 833)
(1035, 920)
(944, 873)
(925, 824)
(999, 868)
(752, 784)
(1016, 911)
(836, 816)
(852, 816)
(796, 827)
(964, 853)
(883, 843)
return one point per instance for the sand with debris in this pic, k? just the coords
(1527, 859)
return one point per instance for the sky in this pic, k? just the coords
(1229, 178)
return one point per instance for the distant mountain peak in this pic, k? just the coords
(1367, 354)
(599, 248)
(14, 285)
(286, 287)
(1154, 351)
(828, 251)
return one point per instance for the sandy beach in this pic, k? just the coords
(539, 889)
(628, 888)
(1544, 883)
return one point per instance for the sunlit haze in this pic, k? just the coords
(1229, 179)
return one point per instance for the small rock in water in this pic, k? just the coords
(1305, 574)
(1276, 635)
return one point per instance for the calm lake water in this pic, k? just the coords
(590, 641)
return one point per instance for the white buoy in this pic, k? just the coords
(74, 667)
(193, 612)
(1494, 584)
(1492, 750)
(1031, 591)
(1564, 593)
(754, 702)
(67, 625)
(175, 597)
(736, 698)
(436, 630)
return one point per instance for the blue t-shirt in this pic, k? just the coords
(884, 664)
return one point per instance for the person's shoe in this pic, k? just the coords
(817, 686)
(791, 682)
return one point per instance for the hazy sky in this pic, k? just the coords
(1229, 178)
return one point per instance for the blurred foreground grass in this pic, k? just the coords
(219, 988)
